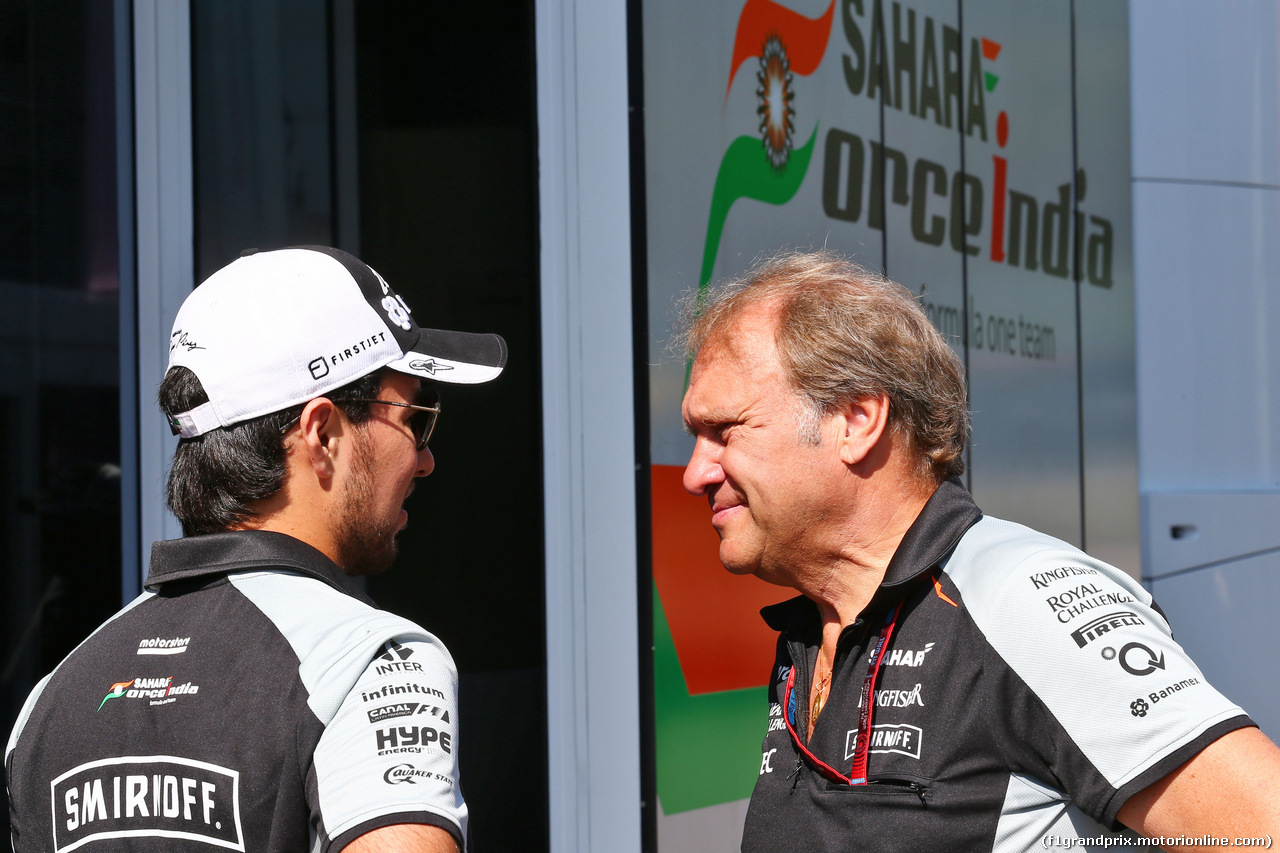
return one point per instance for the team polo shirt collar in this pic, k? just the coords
(217, 554)
(947, 515)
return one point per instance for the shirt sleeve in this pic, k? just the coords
(390, 753)
(1109, 703)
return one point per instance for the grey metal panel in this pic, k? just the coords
(1206, 208)
(936, 273)
(1207, 261)
(715, 829)
(593, 699)
(1206, 90)
(130, 546)
(1192, 530)
(1023, 368)
(1108, 375)
(1225, 619)
(1206, 203)
(162, 102)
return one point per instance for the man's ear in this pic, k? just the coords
(322, 432)
(862, 424)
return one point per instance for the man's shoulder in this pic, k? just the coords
(995, 554)
(337, 637)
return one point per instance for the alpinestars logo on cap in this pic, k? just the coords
(430, 366)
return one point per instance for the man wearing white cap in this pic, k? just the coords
(252, 698)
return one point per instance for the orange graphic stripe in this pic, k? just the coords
(805, 39)
(714, 616)
(990, 50)
(937, 587)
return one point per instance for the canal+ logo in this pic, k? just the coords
(902, 58)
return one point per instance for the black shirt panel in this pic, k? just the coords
(977, 742)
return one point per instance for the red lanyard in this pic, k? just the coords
(858, 773)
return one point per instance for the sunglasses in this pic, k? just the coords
(421, 423)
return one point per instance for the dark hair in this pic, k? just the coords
(218, 475)
(844, 333)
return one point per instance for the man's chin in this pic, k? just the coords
(735, 564)
(360, 560)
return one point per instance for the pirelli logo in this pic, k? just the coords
(152, 796)
(1092, 630)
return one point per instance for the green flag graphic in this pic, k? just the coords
(745, 172)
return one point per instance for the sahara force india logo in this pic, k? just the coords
(923, 68)
(766, 166)
(160, 691)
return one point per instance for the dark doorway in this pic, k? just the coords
(405, 133)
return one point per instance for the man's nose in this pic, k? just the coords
(703, 469)
(426, 462)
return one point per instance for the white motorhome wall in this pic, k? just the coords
(1206, 202)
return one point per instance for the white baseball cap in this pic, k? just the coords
(275, 329)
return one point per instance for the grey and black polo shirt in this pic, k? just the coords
(1024, 690)
(251, 699)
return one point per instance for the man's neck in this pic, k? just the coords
(302, 517)
(843, 583)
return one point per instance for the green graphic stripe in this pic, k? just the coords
(745, 172)
(708, 746)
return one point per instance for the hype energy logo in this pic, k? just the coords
(929, 70)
